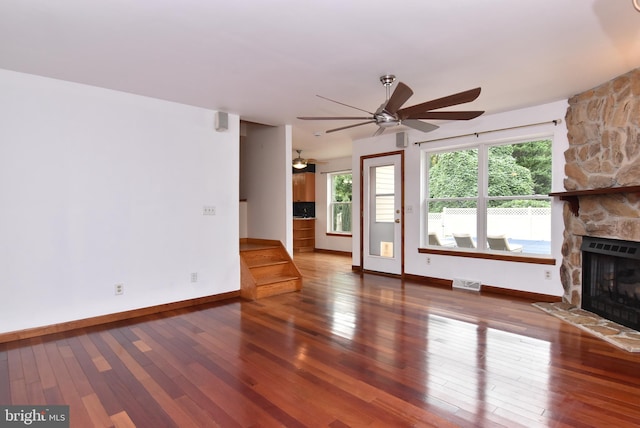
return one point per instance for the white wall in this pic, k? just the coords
(99, 188)
(266, 170)
(242, 219)
(510, 275)
(334, 243)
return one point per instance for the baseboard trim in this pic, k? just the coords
(438, 282)
(118, 316)
(486, 289)
(375, 272)
(336, 252)
(536, 297)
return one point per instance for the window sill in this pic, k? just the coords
(508, 257)
(346, 235)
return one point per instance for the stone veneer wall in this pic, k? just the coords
(604, 151)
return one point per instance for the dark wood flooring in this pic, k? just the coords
(348, 350)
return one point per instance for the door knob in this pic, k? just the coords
(397, 220)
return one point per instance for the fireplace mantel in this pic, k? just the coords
(573, 197)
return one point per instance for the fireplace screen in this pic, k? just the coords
(611, 279)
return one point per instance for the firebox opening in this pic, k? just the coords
(611, 279)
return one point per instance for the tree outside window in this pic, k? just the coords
(340, 196)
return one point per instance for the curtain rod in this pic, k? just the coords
(477, 134)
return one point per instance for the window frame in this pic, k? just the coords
(481, 199)
(383, 199)
(331, 203)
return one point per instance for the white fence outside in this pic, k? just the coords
(516, 223)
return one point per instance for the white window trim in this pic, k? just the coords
(330, 202)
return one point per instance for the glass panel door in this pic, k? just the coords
(382, 214)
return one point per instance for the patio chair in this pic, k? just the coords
(435, 240)
(501, 243)
(464, 240)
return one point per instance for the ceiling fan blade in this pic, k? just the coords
(350, 126)
(450, 100)
(420, 126)
(446, 115)
(379, 131)
(400, 96)
(334, 118)
(343, 104)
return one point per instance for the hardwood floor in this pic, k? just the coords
(348, 350)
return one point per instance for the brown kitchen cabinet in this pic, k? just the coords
(304, 234)
(304, 187)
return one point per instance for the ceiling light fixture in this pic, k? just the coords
(299, 163)
(636, 4)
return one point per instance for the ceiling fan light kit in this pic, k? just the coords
(390, 113)
(299, 163)
(302, 163)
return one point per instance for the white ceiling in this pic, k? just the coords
(266, 60)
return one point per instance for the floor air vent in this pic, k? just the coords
(466, 284)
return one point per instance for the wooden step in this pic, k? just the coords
(273, 271)
(248, 244)
(273, 289)
(256, 258)
(272, 279)
(265, 263)
(267, 270)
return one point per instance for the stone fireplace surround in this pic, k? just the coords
(603, 127)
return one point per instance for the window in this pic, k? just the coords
(492, 197)
(383, 186)
(339, 203)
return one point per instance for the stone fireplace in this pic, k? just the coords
(602, 173)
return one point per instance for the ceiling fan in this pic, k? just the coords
(300, 163)
(391, 114)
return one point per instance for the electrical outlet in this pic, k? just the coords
(428, 260)
(209, 210)
(547, 275)
(119, 289)
(194, 277)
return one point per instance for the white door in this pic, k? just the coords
(382, 214)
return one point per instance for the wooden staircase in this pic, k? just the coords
(266, 269)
